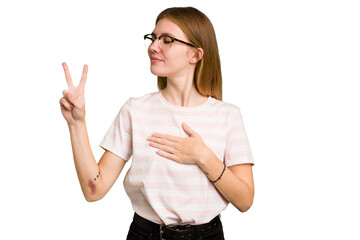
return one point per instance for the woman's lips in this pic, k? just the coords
(155, 60)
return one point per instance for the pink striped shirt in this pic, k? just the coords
(164, 191)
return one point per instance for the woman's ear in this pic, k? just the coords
(199, 53)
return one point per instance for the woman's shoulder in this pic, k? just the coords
(149, 98)
(225, 106)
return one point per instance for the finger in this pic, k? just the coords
(163, 141)
(65, 92)
(187, 129)
(67, 75)
(167, 155)
(65, 104)
(162, 147)
(83, 77)
(72, 99)
(169, 137)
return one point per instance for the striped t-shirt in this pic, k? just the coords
(162, 190)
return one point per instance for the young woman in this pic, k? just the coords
(190, 153)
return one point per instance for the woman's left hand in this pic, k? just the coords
(185, 150)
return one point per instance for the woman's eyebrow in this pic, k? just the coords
(165, 33)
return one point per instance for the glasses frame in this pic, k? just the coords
(153, 38)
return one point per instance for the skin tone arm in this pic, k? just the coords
(95, 178)
(236, 184)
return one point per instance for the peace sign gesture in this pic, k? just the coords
(73, 102)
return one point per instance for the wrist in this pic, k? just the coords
(212, 166)
(76, 124)
(205, 155)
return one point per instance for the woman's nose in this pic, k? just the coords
(155, 46)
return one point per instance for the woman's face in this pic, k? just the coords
(173, 61)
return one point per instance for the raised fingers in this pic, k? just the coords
(67, 75)
(83, 77)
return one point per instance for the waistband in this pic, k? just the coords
(177, 231)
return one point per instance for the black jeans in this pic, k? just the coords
(141, 229)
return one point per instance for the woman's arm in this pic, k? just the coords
(95, 179)
(236, 183)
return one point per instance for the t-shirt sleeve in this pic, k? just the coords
(237, 149)
(118, 138)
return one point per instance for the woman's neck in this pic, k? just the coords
(182, 92)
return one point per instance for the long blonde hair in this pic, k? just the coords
(198, 28)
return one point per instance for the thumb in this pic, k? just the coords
(188, 130)
(70, 96)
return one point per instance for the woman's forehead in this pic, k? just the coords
(167, 27)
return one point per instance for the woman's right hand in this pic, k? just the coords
(73, 102)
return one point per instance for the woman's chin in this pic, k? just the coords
(156, 72)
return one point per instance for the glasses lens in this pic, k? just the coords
(165, 42)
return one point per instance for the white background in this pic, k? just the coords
(291, 66)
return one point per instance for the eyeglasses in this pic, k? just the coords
(165, 41)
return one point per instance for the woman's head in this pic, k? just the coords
(171, 54)
(197, 30)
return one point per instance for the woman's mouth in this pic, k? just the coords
(155, 59)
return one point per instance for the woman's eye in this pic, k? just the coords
(167, 40)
